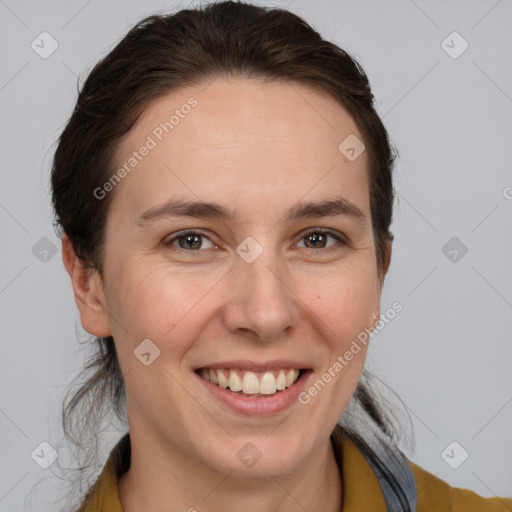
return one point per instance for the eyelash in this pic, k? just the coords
(341, 239)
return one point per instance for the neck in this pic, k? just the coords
(177, 482)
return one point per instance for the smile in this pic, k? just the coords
(249, 383)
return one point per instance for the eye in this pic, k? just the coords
(192, 241)
(189, 241)
(317, 238)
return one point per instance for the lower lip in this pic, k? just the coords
(260, 406)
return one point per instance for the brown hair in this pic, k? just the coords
(160, 54)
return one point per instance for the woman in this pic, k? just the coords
(224, 188)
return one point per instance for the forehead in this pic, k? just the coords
(244, 141)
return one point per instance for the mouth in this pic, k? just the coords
(252, 384)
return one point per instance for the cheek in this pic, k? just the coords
(342, 311)
(157, 303)
(343, 300)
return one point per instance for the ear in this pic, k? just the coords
(382, 274)
(88, 290)
(388, 247)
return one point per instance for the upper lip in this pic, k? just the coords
(254, 366)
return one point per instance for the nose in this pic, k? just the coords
(261, 300)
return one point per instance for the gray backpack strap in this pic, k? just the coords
(395, 476)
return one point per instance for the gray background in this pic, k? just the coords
(447, 354)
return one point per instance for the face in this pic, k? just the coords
(244, 291)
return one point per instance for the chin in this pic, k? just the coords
(257, 458)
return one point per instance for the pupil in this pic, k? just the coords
(191, 238)
(316, 236)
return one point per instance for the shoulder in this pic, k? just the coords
(435, 495)
(104, 495)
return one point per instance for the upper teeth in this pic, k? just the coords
(265, 383)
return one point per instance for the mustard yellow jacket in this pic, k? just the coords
(360, 487)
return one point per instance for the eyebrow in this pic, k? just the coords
(208, 210)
